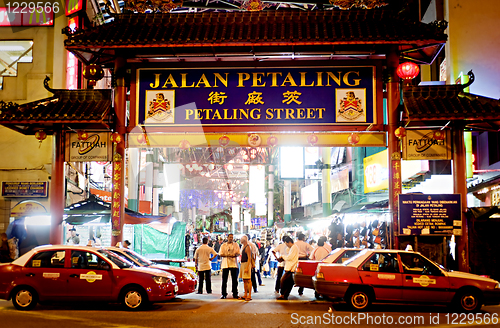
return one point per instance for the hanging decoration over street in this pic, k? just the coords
(408, 71)
(353, 138)
(224, 141)
(312, 139)
(40, 136)
(116, 138)
(184, 144)
(400, 132)
(272, 141)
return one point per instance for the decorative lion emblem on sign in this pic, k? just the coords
(350, 106)
(159, 108)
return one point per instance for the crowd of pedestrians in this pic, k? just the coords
(250, 259)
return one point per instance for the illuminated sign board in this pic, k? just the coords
(25, 189)
(73, 6)
(256, 96)
(291, 161)
(376, 175)
(423, 144)
(95, 148)
(430, 214)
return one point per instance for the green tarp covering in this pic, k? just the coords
(158, 245)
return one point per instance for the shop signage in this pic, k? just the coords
(257, 96)
(430, 214)
(27, 208)
(376, 175)
(106, 196)
(73, 6)
(422, 144)
(95, 148)
(25, 189)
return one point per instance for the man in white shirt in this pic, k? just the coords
(304, 250)
(279, 251)
(291, 261)
(319, 252)
(229, 251)
(202, 258)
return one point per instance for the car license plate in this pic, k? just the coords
(176, 289)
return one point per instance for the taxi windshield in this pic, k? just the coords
(138, 258)
(354, 257)
(118, 260)
(332, 256)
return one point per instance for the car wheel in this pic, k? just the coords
(134, 299)
(24, 299)
(359, 299)
(317, 295)
(468, 301)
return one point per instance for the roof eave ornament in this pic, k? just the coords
(359, 4)
(46, 85)
(440, 25)
(471, 80)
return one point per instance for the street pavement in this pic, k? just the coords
(193, 310)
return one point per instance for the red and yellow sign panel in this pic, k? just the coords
(73, 6)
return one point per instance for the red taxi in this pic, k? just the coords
(186, 279)
(403, 276)
(306, 269)
(79, 273)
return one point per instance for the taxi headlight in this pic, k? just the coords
(189, 275)
(320, 275)
(161, 280)
(498, 285)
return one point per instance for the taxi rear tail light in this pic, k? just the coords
(298, 270)
(320, 275)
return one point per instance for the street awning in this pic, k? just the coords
(94, 208)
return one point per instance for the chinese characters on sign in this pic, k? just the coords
(115, 203)
(430, 214)
(251, 96)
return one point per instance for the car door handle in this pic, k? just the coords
(368, 275)
(409, 277)
(30, 275)
(73, 276)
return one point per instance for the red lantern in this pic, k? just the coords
(184, 144)
(224, 141)
(116, 138)
(312, 139)
(142, 139)
(82, 135)
(272, 141)
(353, 138)
(408, 70)
(40, 136)
(400, 132)
(439, 135)
(93, 72)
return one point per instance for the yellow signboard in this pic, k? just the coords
(376, 172)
